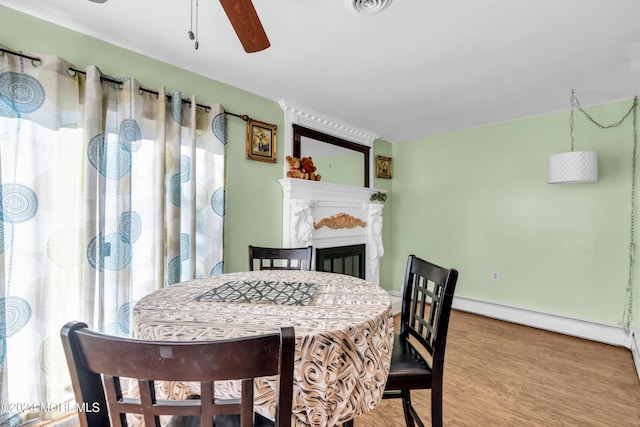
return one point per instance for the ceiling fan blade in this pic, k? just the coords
(246, 23)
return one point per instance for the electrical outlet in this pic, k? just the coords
(495, 276)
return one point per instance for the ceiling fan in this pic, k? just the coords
(245, 22)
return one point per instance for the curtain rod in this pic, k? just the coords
(110, 80)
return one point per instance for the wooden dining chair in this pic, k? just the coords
(280, 258)
(417, 360)
(97, 363)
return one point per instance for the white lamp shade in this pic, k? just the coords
(573, 167)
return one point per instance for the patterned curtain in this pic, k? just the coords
(107, 193)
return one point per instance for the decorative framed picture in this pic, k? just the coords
(261, 141)
(383, 167)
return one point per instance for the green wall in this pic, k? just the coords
(478, 200)
(389, 279)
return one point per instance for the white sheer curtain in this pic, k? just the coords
(107, 192)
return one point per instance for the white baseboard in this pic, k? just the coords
(396, 302)
(614, 335)
(635, 348)
(608, 334)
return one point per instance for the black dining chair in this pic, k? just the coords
(417, 360)
(97, 363)
(280, 258)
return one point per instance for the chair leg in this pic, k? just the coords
(406, 406)
(436, 405)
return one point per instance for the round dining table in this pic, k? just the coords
(343, 326)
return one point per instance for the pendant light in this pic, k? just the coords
(574, 166)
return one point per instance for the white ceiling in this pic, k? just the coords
(419, 68)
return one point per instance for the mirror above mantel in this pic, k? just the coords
(337, 160)
(341, 152)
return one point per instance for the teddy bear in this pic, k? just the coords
(306, 166)
(294, 168)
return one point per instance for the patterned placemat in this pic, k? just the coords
(261, 291)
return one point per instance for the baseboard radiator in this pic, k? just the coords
(608, 334)
(635, 348)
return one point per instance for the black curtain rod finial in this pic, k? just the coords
(240, 116)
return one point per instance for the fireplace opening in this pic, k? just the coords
(342, 259)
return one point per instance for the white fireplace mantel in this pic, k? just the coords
(306, 203)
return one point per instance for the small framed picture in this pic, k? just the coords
(261, 141)
(383, 167)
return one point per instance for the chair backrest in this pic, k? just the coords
(98, 362)
(426, 306)
(280, 258)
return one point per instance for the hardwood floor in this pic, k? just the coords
(501, 374)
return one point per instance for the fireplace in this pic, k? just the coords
(342, 259)
(330, 215)
(333, 216)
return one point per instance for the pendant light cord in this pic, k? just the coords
(576, 103)
(627, 315)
